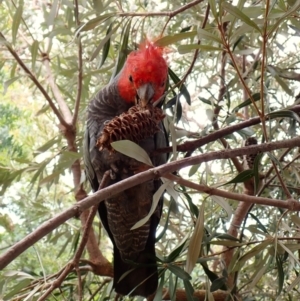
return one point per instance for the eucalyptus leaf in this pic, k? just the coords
(195, 242)
(167, 40)
(233, 10)
(132, 150)
(156, 198)
(16, 22)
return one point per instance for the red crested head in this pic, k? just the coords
(144, 75)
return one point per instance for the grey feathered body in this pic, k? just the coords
(119, 213)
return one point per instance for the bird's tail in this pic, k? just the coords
(139, 278)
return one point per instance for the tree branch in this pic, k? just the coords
(200, 295)
(79, 78)
(35, 81)
(288, 204)
(169, 14)
(190, 146)
(55, 90)
(142, 177)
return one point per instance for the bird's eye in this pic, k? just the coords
(130, 79)
(163, 84)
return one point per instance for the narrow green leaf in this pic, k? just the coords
(280, 270)
(260, 272)
(16, 22)
(46, 146)
(253, 252)
(193, 169)
(227, 243)
(194, 209)
(105, 44)
(189, 290)
(284, 85)
(218, 284)
(156, 198)
(179, 272)
(194, 248)
(241, 177)
(33, 292)
(34, 52)
(210, 274)
(221, 202)
(91, 24)
(296, 258)
(204, 34)
(64, 246)
(206, 101)
(172, 287)
(170, 189)
(53, 12)
(9, 82)
(293, 284)
(132, 150)
(59, 31)
(98, 6)
(182, 49)
(167, 40)
(293, 9)
(176, 252)
(17, 288)
(213, 7)
(233, 10)
(223, 236)
(296, 220)
(123, 51)
(158, 294)
(247, 102)
(185, 29)
(284, 113)
(259, 223)
(166, 226)
(237, 42)
(17, 275)
(50, 178)
(183, 90)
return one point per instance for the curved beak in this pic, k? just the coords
(145, 93)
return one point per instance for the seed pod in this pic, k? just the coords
(136, 124)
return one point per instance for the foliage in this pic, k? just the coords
(231, 65)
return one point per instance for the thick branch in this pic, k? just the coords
(142, 177)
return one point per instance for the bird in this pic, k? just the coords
(142, 81)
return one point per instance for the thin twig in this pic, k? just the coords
(196, 51)
(80, 67)
(36, 82)
(74, 263)
(190, 146)
(56, 92)
(169, 14)
(137, 179)
(290, 204)
(227, 46)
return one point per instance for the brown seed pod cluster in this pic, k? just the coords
(136, 124)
